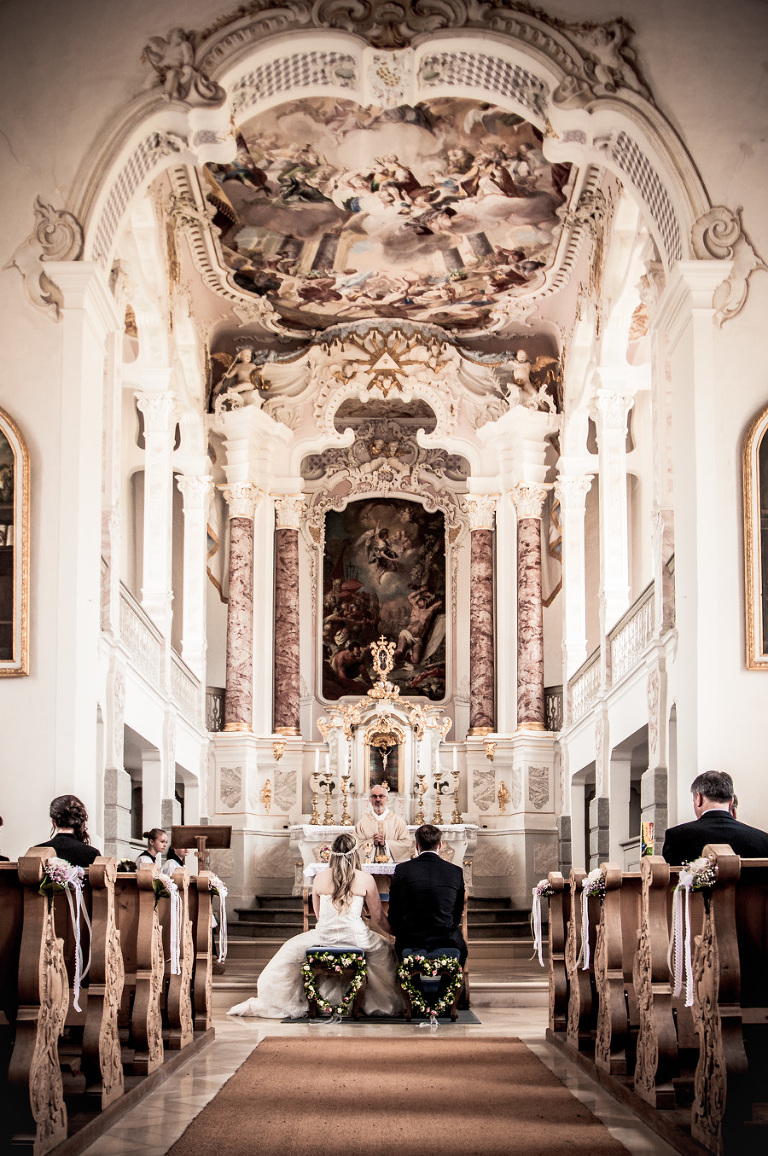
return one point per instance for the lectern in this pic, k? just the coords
(206, 838)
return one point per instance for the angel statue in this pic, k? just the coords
(534, 394)
(240, 381)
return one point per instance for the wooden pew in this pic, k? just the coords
(731, 1004)
(612, 1019)
(201, 915)
(11, 916)
(101, 1058)
(656, 1063)
(559, 913)
(90, 1053)
(36, 1113)
(582, 1002)
(141, 939)
(178, 993)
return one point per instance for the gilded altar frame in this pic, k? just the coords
(755, 474)
(14, 550)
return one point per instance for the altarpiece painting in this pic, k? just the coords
(384, 574)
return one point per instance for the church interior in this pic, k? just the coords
(385, 405)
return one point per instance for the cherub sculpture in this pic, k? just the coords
(534, 394)
(240, 381)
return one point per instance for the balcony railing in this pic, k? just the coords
(553, 708)
(631, 635)
(141, 637)
(214, 708)
(185, 688)
(584, 687)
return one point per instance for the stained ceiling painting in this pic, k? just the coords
(335, 212)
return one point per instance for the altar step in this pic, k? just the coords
(279, 917)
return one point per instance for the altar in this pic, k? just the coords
(312, 844)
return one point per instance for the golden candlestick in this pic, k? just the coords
(457, 816)
(422, 788)
(315, 819)
(438, 815)
(346, 818)
(328, 816)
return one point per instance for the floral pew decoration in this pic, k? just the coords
(218, 888)
(698, 875)
(60, 876)
(593, 884)
(337, 963)
(543, 889)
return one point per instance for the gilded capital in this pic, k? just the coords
(481, 508)
(242, 499)
(528, 498)
(288, 511)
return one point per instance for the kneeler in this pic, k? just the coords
(345, 976)
(430, 985)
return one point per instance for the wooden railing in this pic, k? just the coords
(553, 708)
(214, 708)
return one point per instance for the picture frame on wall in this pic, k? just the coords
(755, 475)
(14, 550)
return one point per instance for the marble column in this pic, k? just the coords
(287, 682)
(609, 412)
(242, 498)
(481, 639)
(159, 410)
(196, 492)
(571, 494)
(529, 498)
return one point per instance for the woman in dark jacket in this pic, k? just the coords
(70, 839)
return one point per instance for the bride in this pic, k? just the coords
(338, 897)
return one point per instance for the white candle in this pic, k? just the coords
(317, 761)
(327, 764)
(455, 762)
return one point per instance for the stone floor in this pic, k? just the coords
(155, 1124)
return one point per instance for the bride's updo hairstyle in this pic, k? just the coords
(345, 860)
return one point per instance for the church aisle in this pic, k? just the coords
(154, 1125)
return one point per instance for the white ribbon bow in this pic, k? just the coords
(586, 885)
(679, 953)
(175, 897)
(536, 923)
(216, 884)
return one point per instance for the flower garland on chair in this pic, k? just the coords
(698, 875)
(542, 889)
(337, 963)
(60, 876)
(165, 888)
(440, 965)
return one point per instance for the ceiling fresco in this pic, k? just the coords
(435, 213)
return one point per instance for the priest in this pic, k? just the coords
(382, 835)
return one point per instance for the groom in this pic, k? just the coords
(426, 898)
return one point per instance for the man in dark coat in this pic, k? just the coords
(426, 898)
(714, 823)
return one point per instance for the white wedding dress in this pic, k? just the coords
(280, 986)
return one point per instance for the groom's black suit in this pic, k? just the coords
(426, 902)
